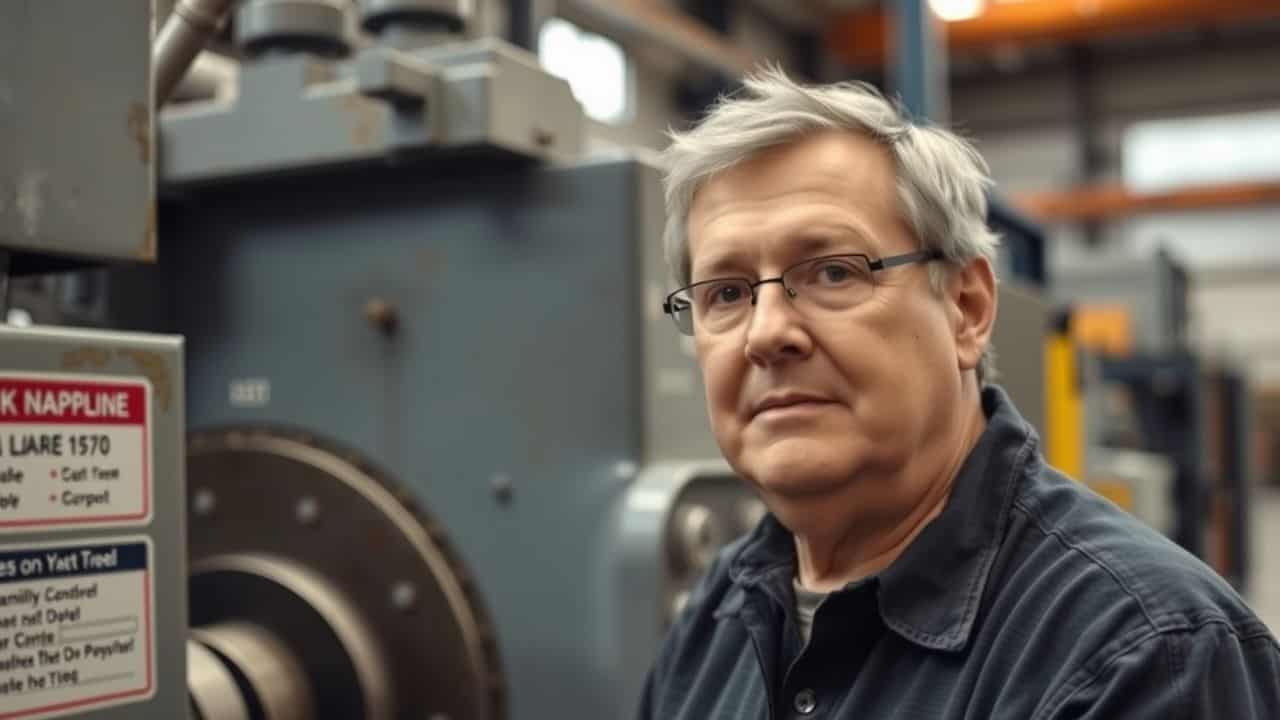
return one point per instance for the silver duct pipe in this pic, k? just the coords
(184, 35)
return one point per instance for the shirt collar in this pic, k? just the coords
(931, 593)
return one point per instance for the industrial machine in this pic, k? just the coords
(445, 456)
(93, 599)
(1158, 428)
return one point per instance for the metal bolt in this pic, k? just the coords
(308, 510)
(543, 138)
(403, 595)
(204, 502)
(502, 488)
(382, 315)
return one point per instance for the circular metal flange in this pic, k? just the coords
(314, 26)
(308, 540)
(449, 15)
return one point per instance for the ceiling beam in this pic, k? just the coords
(1106, 202)
(654, 23)
(858, 38)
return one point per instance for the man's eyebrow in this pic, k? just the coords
(833, 237)
(720, 266)
(826, 239)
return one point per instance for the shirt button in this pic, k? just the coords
(805, 702)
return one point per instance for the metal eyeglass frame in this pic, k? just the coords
(669, 306)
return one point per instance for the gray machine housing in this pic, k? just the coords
(526, 383)
(1153, 290)
(67, 121)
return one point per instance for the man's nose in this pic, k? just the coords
(775, 330)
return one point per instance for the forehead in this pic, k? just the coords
(781, 196)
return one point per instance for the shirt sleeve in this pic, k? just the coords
(1210, 671)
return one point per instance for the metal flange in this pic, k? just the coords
(316, 546)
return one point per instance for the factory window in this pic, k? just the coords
(1161, 155)
(595, 66)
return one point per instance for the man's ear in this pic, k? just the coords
(972, 291)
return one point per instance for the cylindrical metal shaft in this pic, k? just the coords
(213, 689)
(184, 35)
(272, 682)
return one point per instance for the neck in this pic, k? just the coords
(854, 537)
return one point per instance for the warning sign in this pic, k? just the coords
(75, 627)
(74, 451)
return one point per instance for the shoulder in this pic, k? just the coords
(1124, 561)
(1107, 594)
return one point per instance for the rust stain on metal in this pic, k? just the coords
(152, 366)
(148, 251)
(382, 315)
(363, 117)
(140, 130)
(543, 138)
(85, 357)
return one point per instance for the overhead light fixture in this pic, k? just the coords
(953, 10)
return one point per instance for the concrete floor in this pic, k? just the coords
(1264, 590)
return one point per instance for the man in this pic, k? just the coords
(920, 559)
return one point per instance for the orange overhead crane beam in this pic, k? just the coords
(1114, 201)
(859, 38)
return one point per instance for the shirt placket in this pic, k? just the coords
(839, 644)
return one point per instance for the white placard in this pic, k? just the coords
(75, 451)
(76, 627)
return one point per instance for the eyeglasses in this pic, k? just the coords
(831, 283)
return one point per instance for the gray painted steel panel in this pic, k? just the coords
(77, 176)
(519, 352)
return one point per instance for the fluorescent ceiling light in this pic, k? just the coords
(953, 10)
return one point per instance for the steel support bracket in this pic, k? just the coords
(396, 77)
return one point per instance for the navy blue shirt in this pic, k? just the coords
(1028, 597)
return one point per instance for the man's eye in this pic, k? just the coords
(834, 273)
(729, 294)
(724, 294)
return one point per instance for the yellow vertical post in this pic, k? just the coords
(1064, 406)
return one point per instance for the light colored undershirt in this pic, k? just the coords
(807, 602)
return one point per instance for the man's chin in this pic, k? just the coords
(797, 469)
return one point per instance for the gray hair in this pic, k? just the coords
(942, 180)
